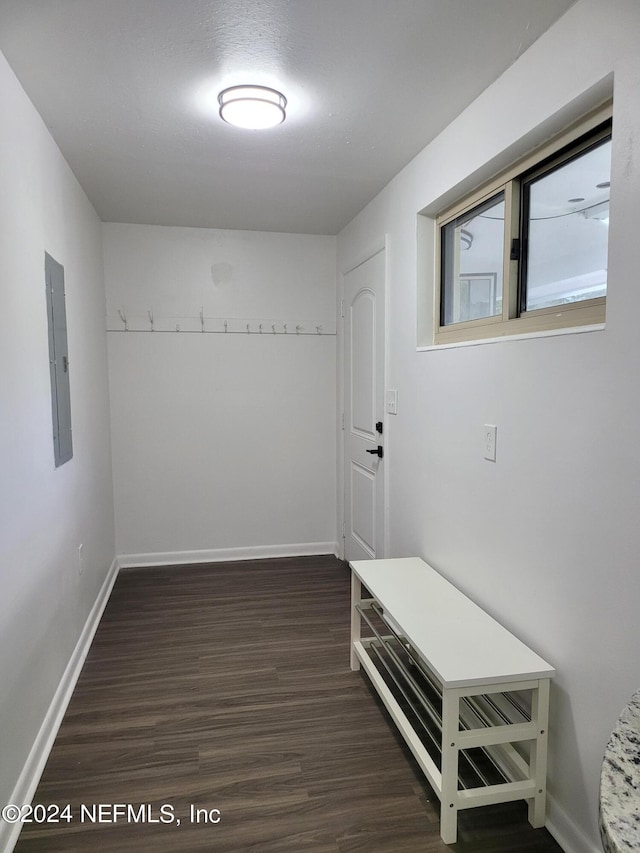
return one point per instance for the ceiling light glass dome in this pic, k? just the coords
(252, 107)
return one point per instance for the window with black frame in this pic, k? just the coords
(529, 251)
(565, 226)
(472, 249)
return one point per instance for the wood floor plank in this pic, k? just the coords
(228, 687)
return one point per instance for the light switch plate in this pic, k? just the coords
(489, 437)
(392, 402)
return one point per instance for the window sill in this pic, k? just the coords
(549, 333)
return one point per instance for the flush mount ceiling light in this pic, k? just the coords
(252, 107)
(598, 211)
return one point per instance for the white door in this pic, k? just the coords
(364, 330)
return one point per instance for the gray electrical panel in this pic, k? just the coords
(58, 360)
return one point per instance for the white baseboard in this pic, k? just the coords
(568, 835)
(32, 771)
(219, 555)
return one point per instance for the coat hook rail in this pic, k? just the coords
(199, 322)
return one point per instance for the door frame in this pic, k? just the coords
(374, 248)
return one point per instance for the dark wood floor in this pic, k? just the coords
(228, 687)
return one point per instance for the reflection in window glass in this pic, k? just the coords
(472, 262)
(568, 229)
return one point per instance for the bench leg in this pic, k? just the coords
(450, 752)
(538, 759)
(356, 592)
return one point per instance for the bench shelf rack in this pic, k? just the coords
(470, 699)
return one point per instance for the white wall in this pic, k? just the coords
(223, 444)
(45, 513)
(547, 539)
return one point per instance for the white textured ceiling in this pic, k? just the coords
(128, 89)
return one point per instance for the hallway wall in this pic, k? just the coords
(546, 539)
(46, 513)
(223, 443)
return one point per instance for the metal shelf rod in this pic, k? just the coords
(424, 701)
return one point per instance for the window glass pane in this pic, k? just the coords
(568, 229)
(472, 261)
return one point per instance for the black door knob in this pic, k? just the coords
(377, 452)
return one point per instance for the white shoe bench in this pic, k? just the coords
(462, 690)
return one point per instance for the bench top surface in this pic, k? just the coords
(461, 643)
